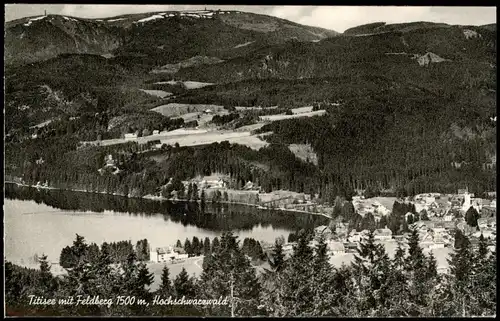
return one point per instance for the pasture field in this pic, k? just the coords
(157, 93)
(177, 110)
(187, 84)
(301, 110)
(281, 117)
(202, 118)
(193, 137)
(241, 108)
(304, 152)
(249, 128)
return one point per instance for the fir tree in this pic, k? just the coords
(482, 249)
(46, 281)
(471, 217)
(104, 282)
(165, 288)
(423, 215)
(277, 257)
(195, 245)
(321, 257)
(295, 291)
(432, 273)
(215, 244)
(206, 246)
(189, 194)
(188, 247)
(371, 266)
(227, 272)
(202, 201)
(398, 280)
(194, 193)
(461, 272)
(460, 261)
(416, 267)
(78, 276)
(322, 282)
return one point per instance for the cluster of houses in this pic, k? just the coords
(134, 135)
(364, 206)
(435, 234)
(443, 206)
(432, 234)
(340, 243)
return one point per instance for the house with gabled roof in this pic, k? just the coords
(165, 254)
(382, 234)
(335, 248)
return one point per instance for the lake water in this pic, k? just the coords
(45, 221)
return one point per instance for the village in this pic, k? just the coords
(440, 215)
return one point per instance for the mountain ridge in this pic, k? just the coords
(27, 40)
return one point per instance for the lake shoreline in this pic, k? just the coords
(163, 199)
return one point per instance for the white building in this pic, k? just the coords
(486, 234)
(355, 237)
(382, 210)
(109, 161)
(156, 132)
(448, 218)
(323, 230)
(429, 199)
(335, 248)
(443, 270)
(382, 234)
(165, 254)
(420, 206)
(438, 230)
(131, 136)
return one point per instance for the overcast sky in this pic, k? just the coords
(338, 18)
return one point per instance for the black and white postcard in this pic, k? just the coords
(249, 161)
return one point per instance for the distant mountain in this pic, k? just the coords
(138, 53)
(404, 45)
(382, 27)
(491, 27)
(39, 38)
(156, 38)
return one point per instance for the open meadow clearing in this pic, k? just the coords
(194, 137)
(282, 117)
(249, 128)
(157, 93)
(304, 152)
(202, 118)
(187, 84)
(241, 108)
(177, 110)
(301, 110)
(242, 138)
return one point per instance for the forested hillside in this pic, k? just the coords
(397, 118)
